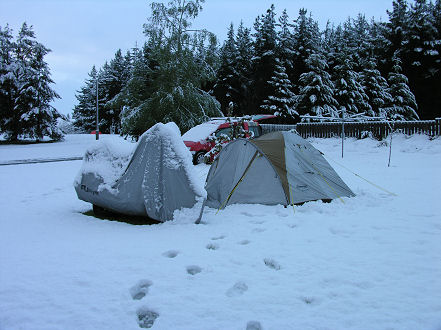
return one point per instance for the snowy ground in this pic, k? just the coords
(372, 262)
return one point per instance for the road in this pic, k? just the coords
(39, 160)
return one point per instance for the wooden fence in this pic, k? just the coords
(378, 129)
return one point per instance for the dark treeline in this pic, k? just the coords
(285, 66)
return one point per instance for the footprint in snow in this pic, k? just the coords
(218, 237)
(244, 242)
(193, 270)
(146, 318)
(257, 222)
(254, 325)
(271, 263)
(170, 254)
(237, 289)
(309, 300)
(258, 230)
(212, 246)
(247, 214)
(139, 290)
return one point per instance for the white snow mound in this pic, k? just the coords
(107, 159)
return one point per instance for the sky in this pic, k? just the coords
(84, 33)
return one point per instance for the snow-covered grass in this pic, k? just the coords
(372, 262)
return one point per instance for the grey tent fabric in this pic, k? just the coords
(287, 170)
(158, 180)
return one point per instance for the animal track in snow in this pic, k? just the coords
(193, 270)
(218, 237)
(244, 242)
(237, 289)
(171, 253)
(212, 246)
(254, 325)
(258, 230)
(146, 318)
(139, 290)
(271, 263)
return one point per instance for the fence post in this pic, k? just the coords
(438, 126)
(342, 132)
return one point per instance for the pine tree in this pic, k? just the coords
(243, 63)
(285, 46)
(282, 101)
(403, 101)
(26, 93)
(115, 78)
(317, 89)
(84, 113)
(420, 55)
(306, 41)
(42, 116)
(226, 89)
(349, 94)
(397, 27)
(8, 82)
(21, 75)
(362, 47)
(264, 60)
(376, 88)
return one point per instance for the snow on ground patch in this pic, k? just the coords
(370, 261)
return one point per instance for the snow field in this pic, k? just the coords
(372, 262)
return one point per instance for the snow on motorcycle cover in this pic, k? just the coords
(154, 180)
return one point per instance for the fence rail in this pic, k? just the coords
(378, 129)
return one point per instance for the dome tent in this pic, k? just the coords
(276, 168)
(158, 179)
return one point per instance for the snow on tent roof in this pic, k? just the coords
(202, 131)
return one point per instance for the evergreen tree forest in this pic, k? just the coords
(25, 87)
(283, 65)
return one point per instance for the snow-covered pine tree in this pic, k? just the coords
(436, 97)
(244, 48)
(25, 87)
(264, 60)
(362, 47)
(306, 41)
(285, 47)
(376, 88)
(379, 45)
(420, 55)
(316, 95)
(349, 92)
(84, 113)
(41, 119)
(226, 88)
(403, 106)
(282, 101)
(115, 78)
(8, 82)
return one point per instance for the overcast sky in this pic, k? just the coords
(84, 33)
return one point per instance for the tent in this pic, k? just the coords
(158, 179)
(276, 168)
